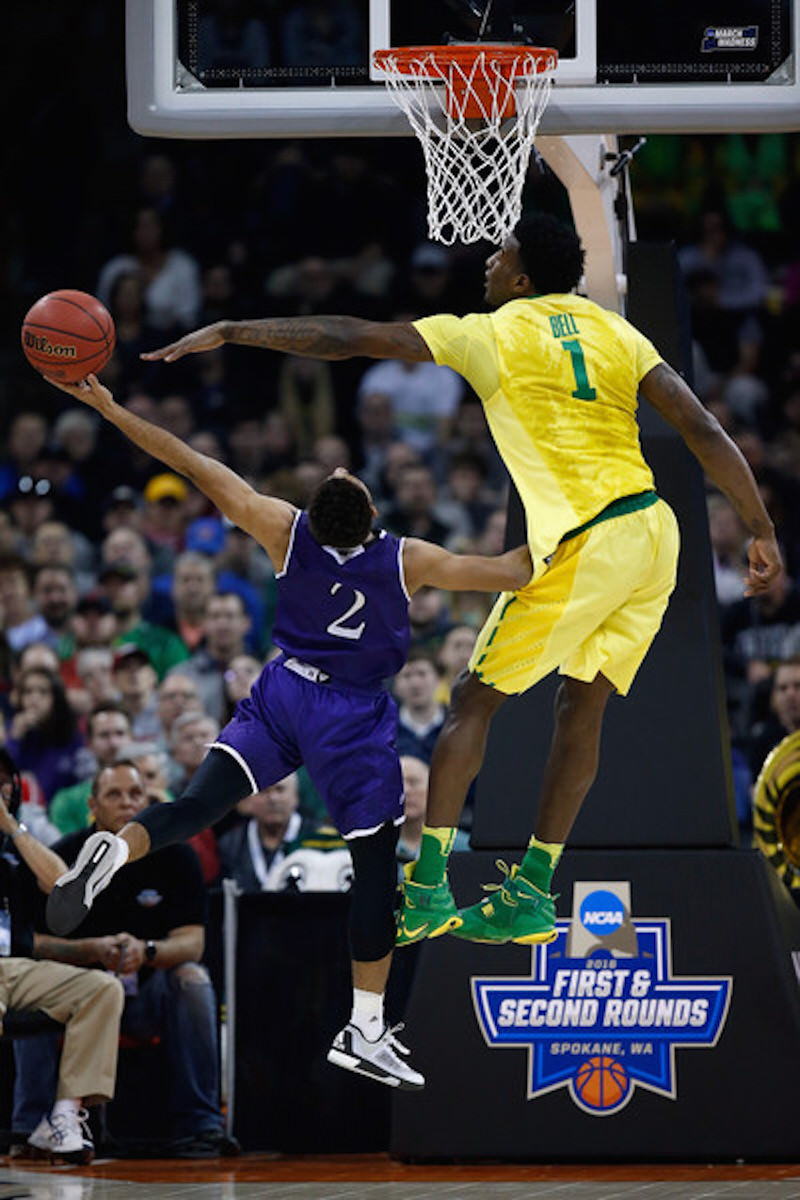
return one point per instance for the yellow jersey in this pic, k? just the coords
(558, 376)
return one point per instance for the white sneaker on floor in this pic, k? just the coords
(64, 1135)
(379, 1060)
(100, 858)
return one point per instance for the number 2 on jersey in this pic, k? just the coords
(583, 391)
(338, 627)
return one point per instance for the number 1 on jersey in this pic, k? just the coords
(583, 391)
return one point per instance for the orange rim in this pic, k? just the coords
(512, 59)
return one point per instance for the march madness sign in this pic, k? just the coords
(602, 1012)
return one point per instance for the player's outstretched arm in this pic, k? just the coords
(265, 518)
(426, 564)
(724, 464)
(310, 337)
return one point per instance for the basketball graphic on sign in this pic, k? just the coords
(601, 1084)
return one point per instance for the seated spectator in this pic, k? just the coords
(755, 636)
(125, 586)
(21, 623)
(728, 547)
(305, 396)
(176, 695)
(467, 492)
(135, 680)
(421, 716)
(55, 544)
(377, 433)
(424, 398)
(156, 950)
(165, 517)
(452, 658)
(429, 618)
(150, 761)
(784, 713)
(92, 669)
(56, 597)
(415, 790)
(225, 628)
(429, 287)
(191, 735)
(193, 585)
(240, 676)
(108, 729)
(251, 853)
(93, 625)
(414, 512)
(123, 508)
(31, 503)
(172, 294)
(87, 1003)
(210, 537)
(27, 434)
(739, 271)
(43, 736)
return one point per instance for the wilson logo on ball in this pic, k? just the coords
(43, 345)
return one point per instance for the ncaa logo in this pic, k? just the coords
(602, 913)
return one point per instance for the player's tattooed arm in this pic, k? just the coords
(310, 337)
(724, 464)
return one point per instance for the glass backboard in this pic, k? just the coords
(287, 68)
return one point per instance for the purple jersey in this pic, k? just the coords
(345, 612)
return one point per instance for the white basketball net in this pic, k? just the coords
(476, 155)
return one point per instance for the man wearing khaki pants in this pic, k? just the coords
(87, 1002)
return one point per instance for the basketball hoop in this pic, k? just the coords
(475, 109)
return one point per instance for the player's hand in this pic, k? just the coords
(89, 391)
(765, 565)
(207, 338)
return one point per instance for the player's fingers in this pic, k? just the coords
(162, 352)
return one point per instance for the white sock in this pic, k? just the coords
(65, 1106)
(367, 1013)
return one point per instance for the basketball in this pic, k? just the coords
(68, 335)
(601, 1082)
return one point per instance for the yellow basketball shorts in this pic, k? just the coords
(596, 609)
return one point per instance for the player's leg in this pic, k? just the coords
(522, 909)
(428, 908)
(348, 746)
(254, 750)
(637, 552)
(219, 783)
(367, 1045)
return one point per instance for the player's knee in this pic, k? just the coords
(471, 698)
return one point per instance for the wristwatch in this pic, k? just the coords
(18, 832)
(150, 950)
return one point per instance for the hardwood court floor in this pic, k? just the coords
(377, 1177)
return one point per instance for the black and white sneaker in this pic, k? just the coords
(379, 1060)
(72, 896)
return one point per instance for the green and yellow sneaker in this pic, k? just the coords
(517, 912)
(427, 910)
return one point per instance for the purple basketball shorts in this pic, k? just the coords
(346, 739)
